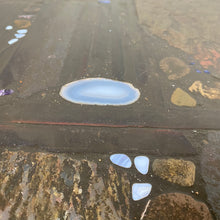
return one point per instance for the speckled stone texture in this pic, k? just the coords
(210, 164)
(176, 171)
(57, 186)
(176, 206)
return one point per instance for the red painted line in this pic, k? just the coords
(158, 128)
(75, 124)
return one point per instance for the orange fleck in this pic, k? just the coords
(206, 63)
(20, 81)
(215, 53)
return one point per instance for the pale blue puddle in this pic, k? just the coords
(9, 27)
(121, 160)
(22, 31)
(19, 36)
(142, 164)
(140, 190)
(12, 41)
(100, 91)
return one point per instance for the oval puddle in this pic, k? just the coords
(100, 91)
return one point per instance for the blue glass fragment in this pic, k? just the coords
(206, 71)
(104, 1)
(142, 164)
(4, 92)
(198, 71)
(12, 41)
(140, 190)
(22, 31)
(100, 91)
(121, 160)
(19, 35)
(9, 27)
(192, 63)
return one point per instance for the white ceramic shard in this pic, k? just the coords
(121, 160)
(22, 31)
(12, 41)
(9, 27)
(142, 164)
(19, 36)
(140, 190)
(100, 91)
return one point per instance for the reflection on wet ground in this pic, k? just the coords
(169, 51)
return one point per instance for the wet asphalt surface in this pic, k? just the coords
(71, 40)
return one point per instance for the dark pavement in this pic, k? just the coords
(71, 40)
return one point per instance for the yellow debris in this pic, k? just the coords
(174, 67)
(208, 92)
(22, 23)
(181, 98)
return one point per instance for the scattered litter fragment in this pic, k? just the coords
(4, 92)
(121, 160)
(12, 41)
(145, 210)
(181, 98)
(142, 164)
(22, 31)
(206, 71)
(53, 56)
(206, 91)
(26, 16)
(174, 68)
(192, 63)
(9, 27)
(198, 71)
(140, 190)
(104, 1)
(19, 36)
(22, 23)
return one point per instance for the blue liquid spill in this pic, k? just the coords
(100, 91)
(206, 71)
(12, 41)
(19, 36)
(140, 190)
(104, 1)
(22, 31)
(9, 27)
(142, 164)
(121, 160)
(192, 63)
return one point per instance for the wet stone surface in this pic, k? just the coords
(211, 170)
(51, 186)
(176, 171)
(173, 206)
